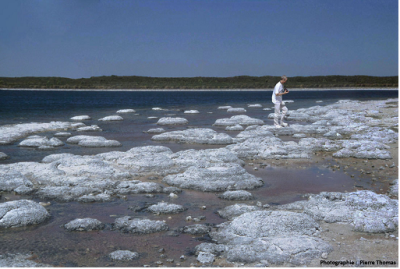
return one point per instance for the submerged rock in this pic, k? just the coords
(195, 136)
(165, 208)
(112, 118)
(21, 213)
(139, 226)
(172, 121)
(124, 255)
(87, 224)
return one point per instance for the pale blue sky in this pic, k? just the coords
(187, 38)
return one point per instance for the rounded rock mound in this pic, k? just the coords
(139, 226)
(165, 208)
(82, 117)
(21, 213)
(172, 121)
(123, 255)
(112, 118)
(87, 224)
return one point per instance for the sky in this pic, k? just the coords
(198, 38)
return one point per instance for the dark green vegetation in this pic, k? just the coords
(240, 82)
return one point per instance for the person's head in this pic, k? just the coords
(283, 79)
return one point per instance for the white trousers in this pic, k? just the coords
(278, 107)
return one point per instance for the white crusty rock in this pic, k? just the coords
(82, 117)
(236, 195)
(269, 147)
(156, 131)
(12, 133)
(92, 128)
(205, 158)
(224, 107)
(238, 119)
(63, 134)
(196, 229)
(236, 127)
(220, 177)
(254, 131)
(139, 226)
(236, 109)
(123, 255)
(278, 237)
(254, 105)
(3, 156)
(20, 260)
(366, 211)
(195, 136)
(363, 149)
(394, 189)
(232, 211)
(92, 141)
(172, 121)
(126, 111)
(191, 112)
(41, 142)
(299, 135)
(13, 180)
(112, 118)
(206, 258)
(86, 224)
(21, 213)
(275, 237)
(165, 208)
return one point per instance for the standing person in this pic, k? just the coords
(279, 90)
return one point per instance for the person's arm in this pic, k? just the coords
(285, 92)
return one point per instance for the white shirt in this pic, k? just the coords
(278, 89)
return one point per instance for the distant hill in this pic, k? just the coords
(239, 82)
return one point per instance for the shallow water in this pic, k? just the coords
(51, 244)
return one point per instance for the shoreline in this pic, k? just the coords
(199, 90)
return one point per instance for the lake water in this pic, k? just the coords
(51, 244)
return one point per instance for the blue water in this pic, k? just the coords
(46, 102)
